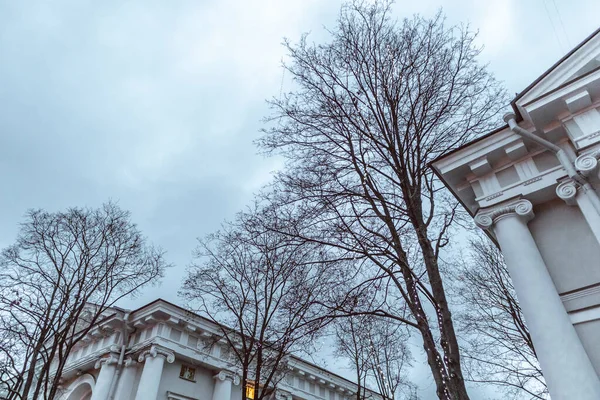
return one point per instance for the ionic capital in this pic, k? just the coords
(587, 164)
(567, 190)
(282, 395)
(108, 359)
(224, 374)
(155, 351)
(522, 208)
(129, 361)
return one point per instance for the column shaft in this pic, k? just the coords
(104, 381)
(585, 202)
(222, 390)
(150, 380)
(125, 385)
(567, 369)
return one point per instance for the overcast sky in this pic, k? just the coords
(155, 104)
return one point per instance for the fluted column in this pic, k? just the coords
(125, 385)
(154, 361)
(108, 366)
(574, 194)
(566, 366)
(223, 382)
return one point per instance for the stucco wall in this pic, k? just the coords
(202, 389)
(567, 245)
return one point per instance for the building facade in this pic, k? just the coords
(533, 186)
(172, 354)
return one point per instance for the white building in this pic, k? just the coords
(172, 354)
(539, 200)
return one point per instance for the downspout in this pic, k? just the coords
(566, 159)
(124, 337)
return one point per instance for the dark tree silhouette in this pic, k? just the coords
(378, 354)
(370, 110)
(499, 350)
(265, 292)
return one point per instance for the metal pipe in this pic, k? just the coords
(566, 159)
(124, 336)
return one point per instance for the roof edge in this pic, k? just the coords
(522, 93)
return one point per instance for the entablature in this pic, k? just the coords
(500, 167)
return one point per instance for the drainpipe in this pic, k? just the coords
(124, 336)
(566, 159)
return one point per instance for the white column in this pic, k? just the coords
(154, 361)
(566, 366)
(223, 381)
(125, 385)
(108, 366)
(574, 194)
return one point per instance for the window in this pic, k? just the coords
(188, 373)
(192, 341)
(250, 390)
(175, 335)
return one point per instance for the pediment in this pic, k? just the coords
(583, 59)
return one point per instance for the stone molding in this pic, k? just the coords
(155, 351)
(585, 315)
(580, 293)
(521, 207)
(106, 360)
(224, 374)
(177, 396)
(567, 191)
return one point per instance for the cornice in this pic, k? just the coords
(521, 207)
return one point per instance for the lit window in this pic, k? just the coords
(250, 390)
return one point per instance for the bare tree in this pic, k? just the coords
(378, 354)
(61, 263)
(264, 291)
(369, 111)
(499, 349)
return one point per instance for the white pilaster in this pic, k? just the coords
(574, 194)
(108, 366)
(154, 361)
(125, 385)
(223, 382)
(566, 367)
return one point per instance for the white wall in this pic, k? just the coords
(567, 245)
(202, 389)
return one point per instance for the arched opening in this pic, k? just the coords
(81, 388)
(81, 392)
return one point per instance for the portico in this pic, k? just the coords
(536, 194)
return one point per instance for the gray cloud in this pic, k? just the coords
(155, 104)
